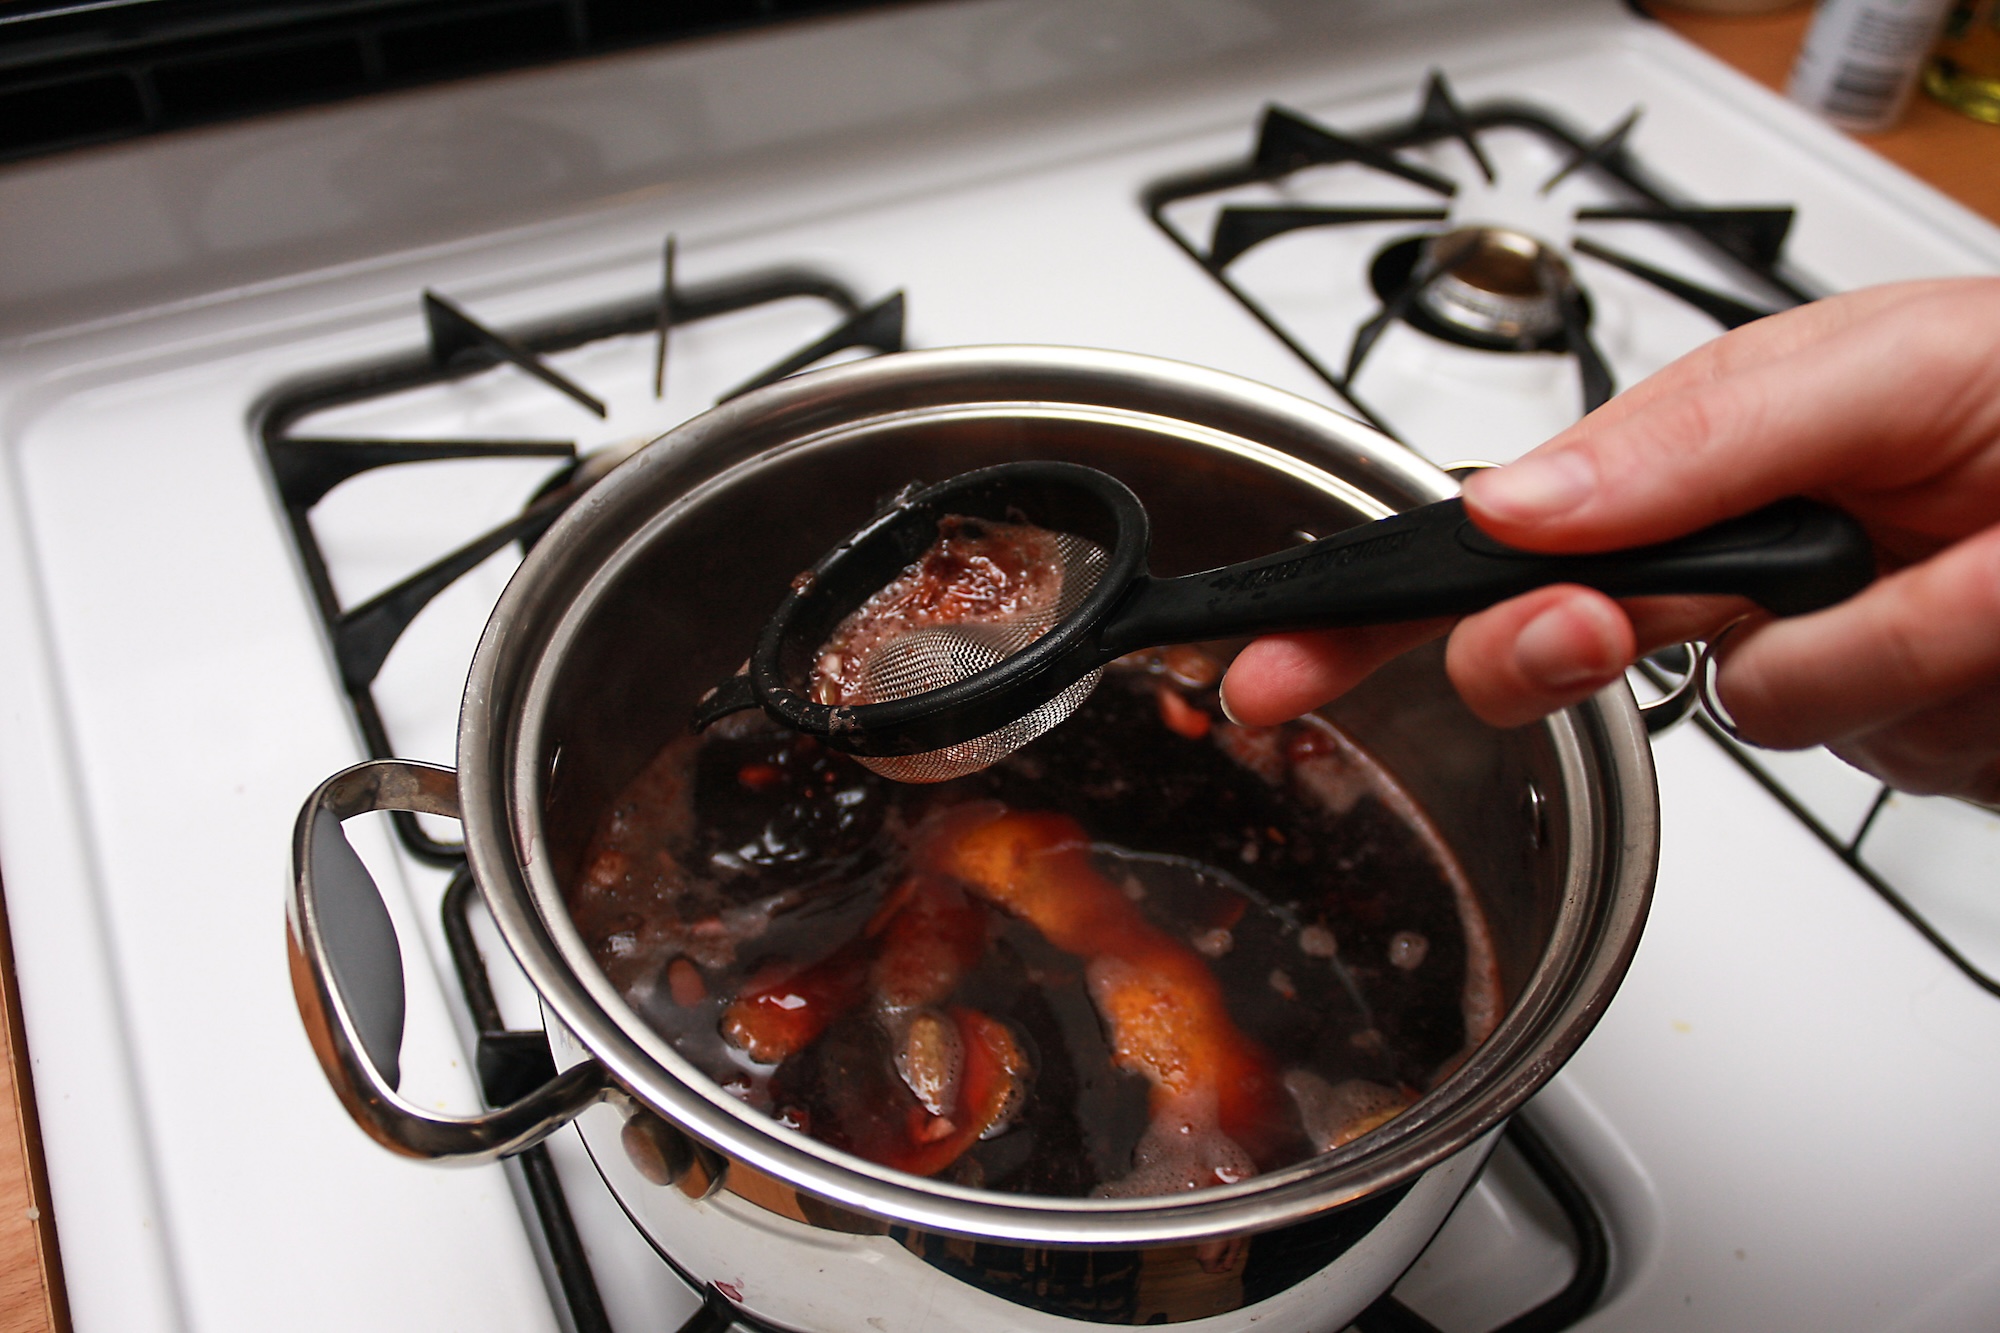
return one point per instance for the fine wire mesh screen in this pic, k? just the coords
(933, 657)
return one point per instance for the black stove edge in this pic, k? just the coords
(79, 73)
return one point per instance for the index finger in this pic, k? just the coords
(1884, 402)
(1755, 344)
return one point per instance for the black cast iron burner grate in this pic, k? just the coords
(512, 1062)
(1407, 276)
(306, 468)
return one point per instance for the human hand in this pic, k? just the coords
(1884, 402)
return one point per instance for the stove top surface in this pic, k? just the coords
(174, 690)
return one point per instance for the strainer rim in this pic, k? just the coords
(948, 715)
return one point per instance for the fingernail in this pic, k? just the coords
(1222, 697)
(1561, 649)
(1540, 486)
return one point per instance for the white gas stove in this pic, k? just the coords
(1784, 1120)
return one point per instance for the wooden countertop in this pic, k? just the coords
(31, 1295)
(1958, 155)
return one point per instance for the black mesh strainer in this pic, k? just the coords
(950, 699)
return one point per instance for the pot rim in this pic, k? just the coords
(1600, 743)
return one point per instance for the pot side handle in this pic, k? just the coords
(347, 975)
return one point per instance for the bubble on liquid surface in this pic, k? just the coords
(1338, 1113)
(1318, 942)
(1408, 949)
(1183, 1149)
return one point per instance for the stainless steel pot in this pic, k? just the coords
(646, 592)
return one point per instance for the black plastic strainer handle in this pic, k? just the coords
(1791, 557)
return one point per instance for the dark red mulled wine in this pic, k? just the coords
(1152, 951)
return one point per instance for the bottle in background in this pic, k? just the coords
(1965, 72)
(1861, 58)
